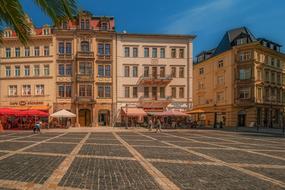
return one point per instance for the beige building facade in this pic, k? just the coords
(240, 83)
(154, 72)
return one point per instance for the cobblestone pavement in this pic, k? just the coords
(139, 159)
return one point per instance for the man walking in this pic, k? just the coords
(158, 127)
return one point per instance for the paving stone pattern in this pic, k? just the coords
(188, 159)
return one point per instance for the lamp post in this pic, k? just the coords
(215, 116)
(271, 110)
(127, 119)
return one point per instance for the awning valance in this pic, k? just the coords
(134, 112)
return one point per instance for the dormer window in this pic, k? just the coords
(46, 31)
(264, 43)
(64, 25)
(82, 24)
(104, 26)
(87, 24)
(241, 41)
(8, 33)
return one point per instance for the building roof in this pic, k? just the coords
(230, 36)
(264, 39)
(156, 35)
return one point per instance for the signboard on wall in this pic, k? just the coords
(26, 103)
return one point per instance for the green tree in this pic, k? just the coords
(12, 14)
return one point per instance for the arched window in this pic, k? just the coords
(85, 46)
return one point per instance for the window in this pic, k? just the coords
(12, 90)
(154, 92)
(87, 24)
(146, 52)
(104, 26)
(272, 61)
(127, 52)
(100, 49)
(108, 91)
(201, 85)
(46, 31)
(181, 53)
(162, 92)
(259, 93)
(201, 70)
(85, 68)
(46, 70)
(36, 70)
(68, 48)
(61, 47)
(61, 70)
(127, 71)
(7, 33)
(85, 90)
(82, 24)
(135, 92)
(27, 70)
(181, 72)
(135, 52)
(244, 93)
(8, 52)
(267, 76)
(245, 56)
(100, 70)
(107, 70)
(17, 71)
(40, 89)
(162, 52)
(146, 92)
(85, 46)
(154, 52)
(278, 63)
(173, 72)
(146, 72)
(173, 92)
(127, 91)
(244, 74)
(241, 41)
(278, 78)
(100, 91)
(220, 64)
(46, 51)
(162, 72)
(273, 77)
(27, 51)
(220, 80)
(37, 51)
(107, 49)
(220, 96)
(64, 90)
(173, 53)
(68, 70)
(17, 52)
(26, 91)
(8, 71)
(181, 92)
(135, 71)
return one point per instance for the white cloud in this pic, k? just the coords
(195, 19)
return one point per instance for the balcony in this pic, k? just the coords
(85, 100)
(64, 56)
(84, 78)
(85, 55)
(103, 57)
(155, 102)
(154, 80)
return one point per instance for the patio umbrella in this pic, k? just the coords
(63, 114)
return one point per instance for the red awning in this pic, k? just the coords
(33, 113)
(134, 112)
(8, 111)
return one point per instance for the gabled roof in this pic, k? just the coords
(230, 36)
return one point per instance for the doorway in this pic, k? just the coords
(104, 118)
(241, 118)
(85, 117)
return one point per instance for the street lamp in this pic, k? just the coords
(215, 116)
(127, 119)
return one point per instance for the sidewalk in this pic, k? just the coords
(274, 131)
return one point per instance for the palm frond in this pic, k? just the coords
(12, 14)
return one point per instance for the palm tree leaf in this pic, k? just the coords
(12, 14)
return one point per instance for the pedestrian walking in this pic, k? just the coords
(37, 127)
(158, 126)
(150, 124)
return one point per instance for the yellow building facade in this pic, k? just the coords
(240, 83)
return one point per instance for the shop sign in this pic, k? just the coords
(25, 103)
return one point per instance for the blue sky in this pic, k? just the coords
(208, 19)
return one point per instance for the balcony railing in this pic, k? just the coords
(83, 99)
(154, 80)
(87, 54)
(64, 56)
(103, 57)
(84, 78)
